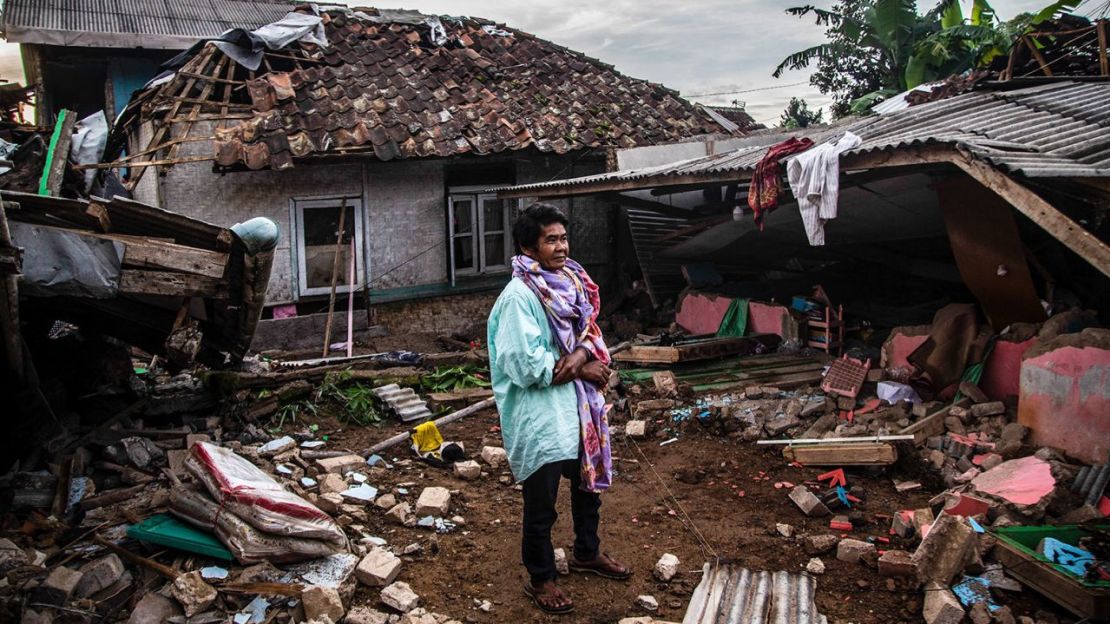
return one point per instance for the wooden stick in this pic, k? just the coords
(110, 498)
(1037, 55)
(351, 303)
(150, 564)
(335, 274)
(439, 422)
(1104, 65)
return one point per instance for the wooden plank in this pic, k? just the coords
(139, 282)
(701, 350)
(852, 454)
(58, 154)
(57, 211)
(158, 255)
(1086, 602)
(933, 424)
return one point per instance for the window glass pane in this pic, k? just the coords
(321, 227)
(493, 215)
(464, 253)
(463, 223)
(495, 250)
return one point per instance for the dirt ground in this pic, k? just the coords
(736, 506)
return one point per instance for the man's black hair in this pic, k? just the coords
(531, 222)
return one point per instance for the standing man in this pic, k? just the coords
(549, 364)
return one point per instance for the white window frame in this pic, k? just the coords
(299, 204)
(479, 234)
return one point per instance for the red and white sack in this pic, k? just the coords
(255, 497)
(246, 543)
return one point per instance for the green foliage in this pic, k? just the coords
(291, 412)
(354, 400)
(798, 115)
(449, 379)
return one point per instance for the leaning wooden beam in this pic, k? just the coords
(57, 154)
(58, 210)
(156, 253)
(136, 282)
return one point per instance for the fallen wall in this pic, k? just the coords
(701, 313)
(1065, 394)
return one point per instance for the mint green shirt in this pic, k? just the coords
(539, 421)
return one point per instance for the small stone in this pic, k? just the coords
(784, 530)
(993, 408)
(808, 502)
(815, 566)
(666, 567)
(896, 563)
(400, 596)
(58, 587)
(636, 429)
(647, 603)
(400, 513)
(341, 465)
(468, 470)
(819, 544)
(412, 549)
(433, 501)
(378, 568)
(561, 565)
(273, 447)
(753, 392)
(853, 550)
(366, 615)
(361, 493)
(193, 593)
(98, 574)
(494, 456)
(322, 602)
(979, 613)
(331, 483)
(955, 425)
(385, 501)
(485, 606)
(154, 607)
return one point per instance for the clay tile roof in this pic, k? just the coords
(388, 90)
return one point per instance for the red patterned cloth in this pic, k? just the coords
(763, 194)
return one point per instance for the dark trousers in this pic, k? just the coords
(540, 491)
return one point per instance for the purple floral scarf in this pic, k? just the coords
(572, 303)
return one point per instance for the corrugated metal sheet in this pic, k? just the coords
(132, 23)
(731, 594)
(1056, 130)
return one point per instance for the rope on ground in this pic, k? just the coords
(683, 517)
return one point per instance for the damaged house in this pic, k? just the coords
(401, 121)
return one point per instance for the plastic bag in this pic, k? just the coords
(255, 497)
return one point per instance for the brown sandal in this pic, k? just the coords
(603, 565)
(542, 600)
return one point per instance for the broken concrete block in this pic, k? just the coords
(853, 550)
(495, 456)
(990, 460)
(400, 513)
(98, 574)
(784, 530)
(154, 607)
(808, 502)
(331, 483)
(433, 501)
(385, 501)
(815, 566)
(779, 423)
(468, 470)
(322, 602)
(193, 593)
(979, 613)
(955, 425)
(973, 392)
(902, 524)
(58, 587)
(193, 438)
(666, 567)
(941, 605)
(378, 568)
(561, 564)
(896, 563)
(276, 447)
(400, 596)
(366, 615)
(635, 429)
(943, 551)
(650, 409)
(665, 383)
(922, 518)
(11, 556)
(819, 544)
(329, 503)
(341, 465)
(983, 410)
(647, 603)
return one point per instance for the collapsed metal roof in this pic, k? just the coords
(1048, 131)
(133, 23)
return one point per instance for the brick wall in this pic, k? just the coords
(437, 315)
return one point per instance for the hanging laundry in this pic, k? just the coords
(763, 194)
(815, 179)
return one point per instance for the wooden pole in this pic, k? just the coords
(439, 422)
(1104, 65)
(351, 303)
(335, 274)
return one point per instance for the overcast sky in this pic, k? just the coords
(695, 46)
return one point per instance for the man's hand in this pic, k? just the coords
(595, 372)
(569, 366)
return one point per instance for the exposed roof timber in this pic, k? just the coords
(647, 204)
(604, 186)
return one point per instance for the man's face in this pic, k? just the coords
(552, 248)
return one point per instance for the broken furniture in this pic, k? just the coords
(826, 330)
(846, 376)
(1017, 551)
(696, 349)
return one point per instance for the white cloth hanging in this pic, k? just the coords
(814, 177)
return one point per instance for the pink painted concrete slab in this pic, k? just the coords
(1065, 401)
(1023, 481)
(766, 318)
(900, 345)
(701, 313)
(1002, 374)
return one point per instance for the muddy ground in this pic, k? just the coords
(735, 505)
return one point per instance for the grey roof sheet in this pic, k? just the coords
(1055, 130)
(169, 24)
